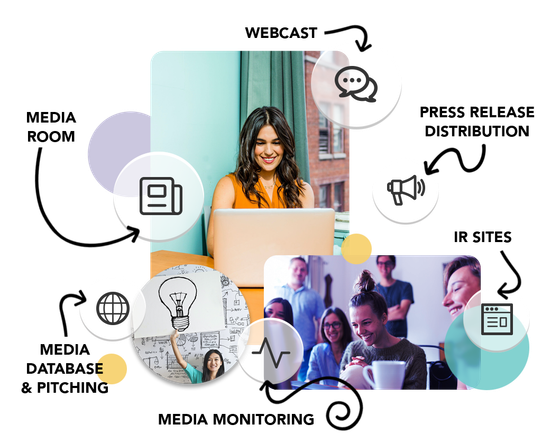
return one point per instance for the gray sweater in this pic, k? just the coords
(415, 374)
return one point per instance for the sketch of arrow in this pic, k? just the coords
(81, 299)
(430, 170)
(364, 46)
(501, 290)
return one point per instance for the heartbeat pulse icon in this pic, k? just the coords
(274, 362)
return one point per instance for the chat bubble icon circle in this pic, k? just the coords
(357, 93)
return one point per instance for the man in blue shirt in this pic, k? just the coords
(307, 306)
(397, 293)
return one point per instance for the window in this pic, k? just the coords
(325, 196)
(339, 197)
(324, 139)
(337, 140)
(328, 56)
(331, 135)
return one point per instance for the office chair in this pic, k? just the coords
(439, 374)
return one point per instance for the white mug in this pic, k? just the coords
(387, 374)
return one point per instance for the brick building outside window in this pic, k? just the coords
(328, 145)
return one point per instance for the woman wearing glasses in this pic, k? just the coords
(325, 357)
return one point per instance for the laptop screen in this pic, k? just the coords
(245, 238)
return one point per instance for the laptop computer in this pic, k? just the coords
(245, 238)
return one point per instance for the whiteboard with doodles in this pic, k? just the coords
(157, 353)
(184, 302)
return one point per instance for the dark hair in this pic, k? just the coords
(367, 296)
(206, 371)
(247, 170)
(457, 264)
(346, 333)
(393, 259)
(287, 308)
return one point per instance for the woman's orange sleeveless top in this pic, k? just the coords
(242, 202)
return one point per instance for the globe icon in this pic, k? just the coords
(112, 308)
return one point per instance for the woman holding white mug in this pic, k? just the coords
(368, 317)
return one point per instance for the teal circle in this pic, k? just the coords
(481, 369)
(462, 355)
(502, 369)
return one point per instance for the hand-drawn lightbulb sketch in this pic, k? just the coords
(178, 294)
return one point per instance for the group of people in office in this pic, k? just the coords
(377, 313)
(267, 176)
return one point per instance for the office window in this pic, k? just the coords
(325, 196)
(337, 135)
(339, 197)
(327, 56)
(324, 136)
(331, 135)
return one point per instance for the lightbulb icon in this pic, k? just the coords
(178, 295)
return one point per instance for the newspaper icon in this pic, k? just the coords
(160, 196)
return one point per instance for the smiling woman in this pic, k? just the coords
(267, 175)
(461, 279)
(368, 317)
(213, 363)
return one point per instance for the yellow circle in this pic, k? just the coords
(113, 370)
(356, 248)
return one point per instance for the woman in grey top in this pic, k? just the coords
(368, 317)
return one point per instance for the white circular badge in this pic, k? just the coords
(496, 319)
(403, 193)
(114, 307)
(357, 84)
(159, 193)
(270, 350)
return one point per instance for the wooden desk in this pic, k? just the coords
(164, 259)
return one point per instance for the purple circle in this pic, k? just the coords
(117, 141)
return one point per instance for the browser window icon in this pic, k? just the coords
(497, 319)
(160, 196)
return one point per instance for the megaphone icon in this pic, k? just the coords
(409, 187)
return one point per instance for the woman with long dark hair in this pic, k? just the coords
(325, 357)
(266, 175)
(281, 309)
(212, 365)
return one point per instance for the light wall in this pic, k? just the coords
(195, 114)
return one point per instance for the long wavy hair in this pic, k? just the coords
(247, 171)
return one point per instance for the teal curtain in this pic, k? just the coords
(277, 79)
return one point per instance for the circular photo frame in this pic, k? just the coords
(197, 348)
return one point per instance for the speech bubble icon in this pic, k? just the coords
(351, 80)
